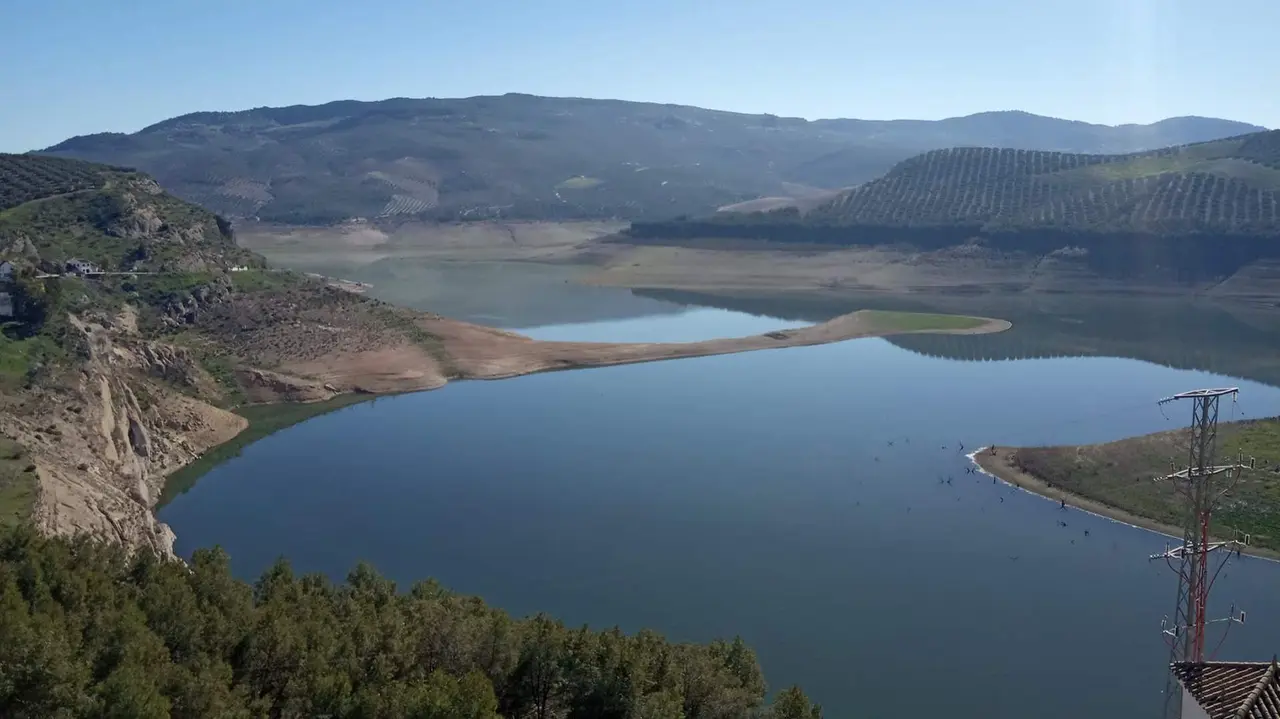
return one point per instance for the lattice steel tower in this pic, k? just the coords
(1202, 484)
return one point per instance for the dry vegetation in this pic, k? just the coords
(17, 484)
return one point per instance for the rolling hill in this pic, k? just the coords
(53, 210)
(1226, 186)
(1229, 186)
(1192, 212)
(526, 157)
(23, 178)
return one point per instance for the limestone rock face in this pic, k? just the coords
(104, 438)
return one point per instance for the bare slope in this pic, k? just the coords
(526, 157)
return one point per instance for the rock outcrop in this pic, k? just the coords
(104, 439)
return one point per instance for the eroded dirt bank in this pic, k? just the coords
(103, 440)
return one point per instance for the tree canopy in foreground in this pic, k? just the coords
(90, 631)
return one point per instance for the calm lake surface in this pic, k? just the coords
(757, 494)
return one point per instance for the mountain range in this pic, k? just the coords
(526, 157)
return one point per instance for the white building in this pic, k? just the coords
(82, 267)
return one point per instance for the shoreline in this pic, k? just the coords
(526, 356)
(727, 264)
(485, 353)
(1000, 466)
(470, 351)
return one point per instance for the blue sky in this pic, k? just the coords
(70, 67)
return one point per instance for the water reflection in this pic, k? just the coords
(502, 294)
(759, 494)
(1237, 340)
(691, 324)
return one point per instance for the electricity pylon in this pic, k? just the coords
(1202, 484)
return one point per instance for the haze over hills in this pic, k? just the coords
(525, 157)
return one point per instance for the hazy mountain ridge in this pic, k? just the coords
(522, 156)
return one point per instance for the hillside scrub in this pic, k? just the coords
(17, 484)
(91, 631)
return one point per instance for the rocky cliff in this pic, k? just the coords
(106, 434)
(110, 381)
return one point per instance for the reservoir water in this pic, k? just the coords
(758, 494)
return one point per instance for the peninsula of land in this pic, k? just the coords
(470, 351)
(1124, 480)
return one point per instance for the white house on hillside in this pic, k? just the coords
(82, 267)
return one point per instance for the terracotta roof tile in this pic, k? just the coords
(1233, 690)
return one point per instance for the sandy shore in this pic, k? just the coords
(720, 265)
(478, 352)
(1000, 464)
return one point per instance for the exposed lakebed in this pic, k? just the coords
(758, 494)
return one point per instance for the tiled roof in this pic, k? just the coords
(1233, 690)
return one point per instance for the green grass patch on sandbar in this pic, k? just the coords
(581, 182)
(887, 321)
(264, 419)
(17, 484)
